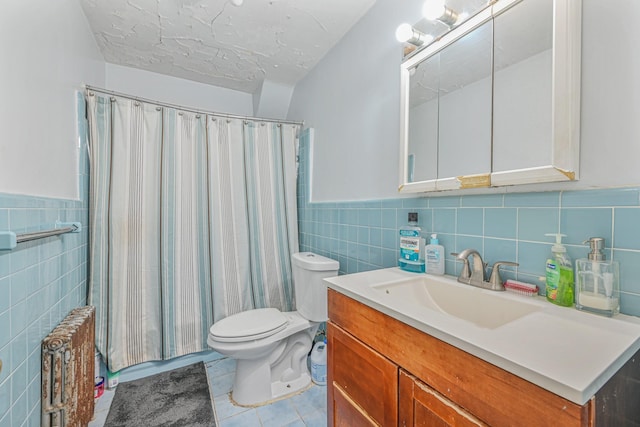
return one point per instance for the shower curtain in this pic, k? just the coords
(192, 219)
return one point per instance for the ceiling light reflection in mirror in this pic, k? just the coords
(439, 17)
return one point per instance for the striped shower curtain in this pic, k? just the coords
(192, 218)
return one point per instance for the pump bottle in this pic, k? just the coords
(559, 274)
(434, 254)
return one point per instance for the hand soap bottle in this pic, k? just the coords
(597, 281)
(434, 254)
(412, 246)
(559, 274)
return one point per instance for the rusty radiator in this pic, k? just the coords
(68, 359)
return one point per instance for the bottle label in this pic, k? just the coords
(433, 255)
(410, 248)
(553, 277)
(319, 373)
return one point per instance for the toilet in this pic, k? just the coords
(270, 346)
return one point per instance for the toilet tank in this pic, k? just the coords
(311, 291)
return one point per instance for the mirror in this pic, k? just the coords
(464, 132)
(522, 85)
(423, 121)
(494, 101)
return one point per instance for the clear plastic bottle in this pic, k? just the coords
(319, 363)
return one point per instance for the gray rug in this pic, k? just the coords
(177, 398)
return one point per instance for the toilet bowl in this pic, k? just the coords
(270, 346)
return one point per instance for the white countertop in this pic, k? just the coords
(563, 350)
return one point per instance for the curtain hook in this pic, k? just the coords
(158, 109)
(180, 113)
(91, 94)
(112, 99)
(197, 116)
(213, 119)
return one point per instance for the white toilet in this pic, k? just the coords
(271, 347)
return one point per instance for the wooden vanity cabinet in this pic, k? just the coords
(383, 372)
(421, 405)
(363, 384)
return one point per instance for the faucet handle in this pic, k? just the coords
(495, 279)
(465, 273)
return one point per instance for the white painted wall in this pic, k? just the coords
(271, 100)
(48, 53)
(352, 100)
(174, 90)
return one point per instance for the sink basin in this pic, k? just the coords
(486, 309)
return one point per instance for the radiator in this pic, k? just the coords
(68, 359)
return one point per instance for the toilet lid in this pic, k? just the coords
(249, 325)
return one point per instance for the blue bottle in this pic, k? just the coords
(412, 246)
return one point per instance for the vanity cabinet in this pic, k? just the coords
(384, 372)
(421, 405)
(363, 383)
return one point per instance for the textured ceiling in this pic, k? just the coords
(215, 42)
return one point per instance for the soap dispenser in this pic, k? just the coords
(435, 256)
(559, 274)
(597, 281)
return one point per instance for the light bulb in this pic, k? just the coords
(404, 32)
(433, 9)
(236, 2)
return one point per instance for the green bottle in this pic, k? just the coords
(559, 274)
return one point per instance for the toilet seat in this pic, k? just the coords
(249, 325)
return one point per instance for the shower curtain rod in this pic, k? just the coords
(191, 110)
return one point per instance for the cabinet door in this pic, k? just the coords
(420, 405)
(363, 385)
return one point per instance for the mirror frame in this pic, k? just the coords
(565, 140)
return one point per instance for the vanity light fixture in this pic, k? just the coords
(436, 10)
(405, 33)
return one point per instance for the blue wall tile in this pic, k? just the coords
(534, 223)
(579, 224)
(602, 198)
(501, 222)
(40, 282)
(530, 200)
(444, 202)
(629, 270)
(627, 228)
(444, 220)
(485, 200)
(470, 221)
(509, 227)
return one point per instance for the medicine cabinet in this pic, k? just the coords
(495, 101)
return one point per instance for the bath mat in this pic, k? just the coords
(176, 398)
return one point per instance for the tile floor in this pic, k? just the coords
(308, 408)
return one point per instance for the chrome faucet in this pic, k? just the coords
(475, 275)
